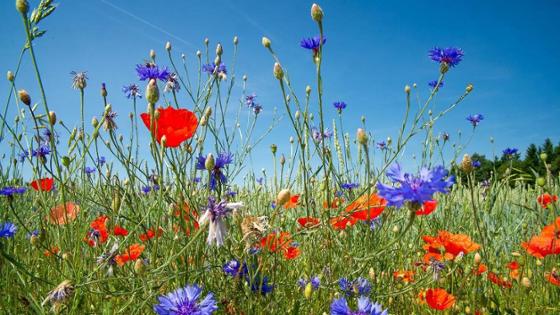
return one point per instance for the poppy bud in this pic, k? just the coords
(203, 121)
(273, 148)
(541, 181)
(469, 88)
(219, 49)
(477, 258)
(235, 40)
(52, 118)
(308, 290)
(206, 41)
(139, 266)
(266, 42)
(24, 97)
(283, 197)
(152, 54)
(307, 90)
(414, 85)
(362, 136)
(22, 6)
(208, 112)
(210, 162)
(407, 89)
(282, 159)
(198, 53)
(526, 282)
(277, 71)
(152, 92)
(163, 140)
(10, 76)
(316, 13)
(168, 46)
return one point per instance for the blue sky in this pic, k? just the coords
(374, 48)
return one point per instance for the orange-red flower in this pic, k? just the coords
(64, 213)
(514, 269)
(335, 203)
(367, 207)
(546, 243)
(52, 251)
(292, 203)
(406, 276)
(131, 254)
(481, 269)
(151, 234)
(553, 277)
(545, 199)
(446, 246)
(308, 222)
(177, 125)
(98, 233)
(43, 184)
(494, 278)
(439, 299)
(189, 216)
(280, 242)
(428, 207)
(120, 231)
(342, 222)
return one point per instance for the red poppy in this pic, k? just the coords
(367, 207)
(546, 243)
(189, 216)
(428, 207)
(177, 125)
(342, 222)
(280, 242)
(43, 184)
(514, 267)
(52, 251)
(406, 276)
(335, 203)
(481, 269)
(63, 214)
(308, 222)
(553, 277)
(439, 299)
(98, 233)
(446, 246)
(292, 203)
(131, 254)
(545, 199)
(120, 231)
(151, 234)
(494, 278)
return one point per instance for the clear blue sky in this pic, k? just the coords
(374, 48)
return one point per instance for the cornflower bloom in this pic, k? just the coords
(450, 56)
(475, 119)
(214, 216)
(365, 307)
(186, 301)
(150, 71)
(339, 106)
(132, 90)
(216, 173)
(8, 230)
(79, 80)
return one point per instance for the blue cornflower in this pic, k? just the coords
(217, 173)
(22, 156)
(258, 285)
(475, 119)
(89, 170)
(41, 152)
(360, 286)
(231, 193)
(375, 223)
(317, 136)
(185, 301)
(349, 186)
(314, 281)
(257, 109)
(381, 145)
(433, 84)
(365, 307)
(414, 189)
(259, 180)
(32, 233)
(339, 106)
(234, 268)
(132, 90)
(450, 56)
(445, 136)
(150, 71)
(197, 180)
(509, 152)
(476, 164)
(47, 136)
(250, 100)
(9, 191)
(146, 189)
(312, 43)
(219, 70)
(101, 161)
(172, 84)
(8, 230)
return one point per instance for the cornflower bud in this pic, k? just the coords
(278, 71)
(152, 92)
(210, 162)
(316, 13)
(24, 97)
(168, 46)
(266, 42)
(362, 136)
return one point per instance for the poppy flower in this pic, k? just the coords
(545, 199)
(190, 216)
(446, 246)
(427, 208)
(546, 243)
(308, 222)
(553, 277)
(64, 213)
(494, 278)
(43, 184)
(292, 203)
(335, 203)
(280, 242)
(481, 269)
(367, 207)
(514, 269)
(150, 234)
(406, 276)
(52, 251)
(342, 222)
(120, 231)
(177, 125)
(131, 254)
(439, 299)
(98, 233)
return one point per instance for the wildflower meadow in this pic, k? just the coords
(156, 209)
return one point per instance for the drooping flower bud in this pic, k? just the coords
(283, 197)
(22, 6)
(266, 42)
(316, 13)
(24, 97)
(152, 92)
(362, 136)
(278, 71)
(210, 162)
